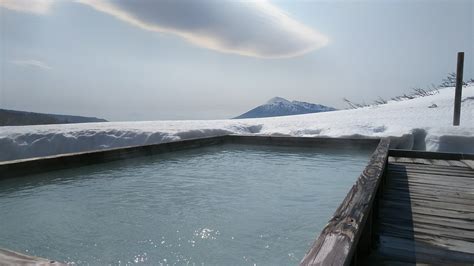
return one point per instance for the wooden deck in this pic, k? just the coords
(425, 213)
(414, 208)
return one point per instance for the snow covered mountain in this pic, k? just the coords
(278, 106)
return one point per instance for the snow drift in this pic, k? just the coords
(413, 124)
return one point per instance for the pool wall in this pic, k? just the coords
(16, 168)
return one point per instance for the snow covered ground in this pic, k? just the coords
(412, 122)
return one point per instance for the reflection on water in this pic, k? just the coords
(217, 205)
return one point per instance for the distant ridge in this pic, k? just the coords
(278, 106)
(20, 118)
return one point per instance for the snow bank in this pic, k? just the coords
(411, 123)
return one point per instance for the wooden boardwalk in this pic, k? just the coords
(425, 213)
(406, 208)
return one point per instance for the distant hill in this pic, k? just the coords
(279, 107)
(20, 118)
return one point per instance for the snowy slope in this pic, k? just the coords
(415, 125)
(278, 106)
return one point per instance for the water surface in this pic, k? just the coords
(225, 205)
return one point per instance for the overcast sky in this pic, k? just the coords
(151, 60)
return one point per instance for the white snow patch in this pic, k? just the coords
(412, 124)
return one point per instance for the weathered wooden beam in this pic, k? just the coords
(430, 155)
(8, 257)
(337, 243)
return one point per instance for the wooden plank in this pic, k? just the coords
(440, 205)
(453, 180)
(430, 190)
(388, 215)
(430, 167)
(404, 160)
(409, 218)
(430, 154)
(458, 183)
(426, 188)
(415, 175)
(434, 170)
(436, 241)
(434, 187)
(435, 162)
(427, 209)
(433, 230)
(419, 252)
(457, 163)
(421, 161)
(436, 183)
(446, 172)
(338, 241)
(439, 175)
(431, 193)
(403, 196)
(450, 182)
(469, 163)
(440, 162)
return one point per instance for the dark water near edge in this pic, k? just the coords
(222, 205)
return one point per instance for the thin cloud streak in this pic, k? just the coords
(31, 63)
(257, 29)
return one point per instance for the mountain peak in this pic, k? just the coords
(278, 106)
(277, 100)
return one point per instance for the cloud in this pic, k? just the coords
(253, 28)
(31, 63)
(31, 6)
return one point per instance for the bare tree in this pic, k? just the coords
(450, 81)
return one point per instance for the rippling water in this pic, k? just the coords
(221, 205)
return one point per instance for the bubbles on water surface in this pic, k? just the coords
(207, 233)
(140, 258)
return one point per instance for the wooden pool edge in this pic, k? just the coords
(22, 167)
(9, 257)
(348, 231)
